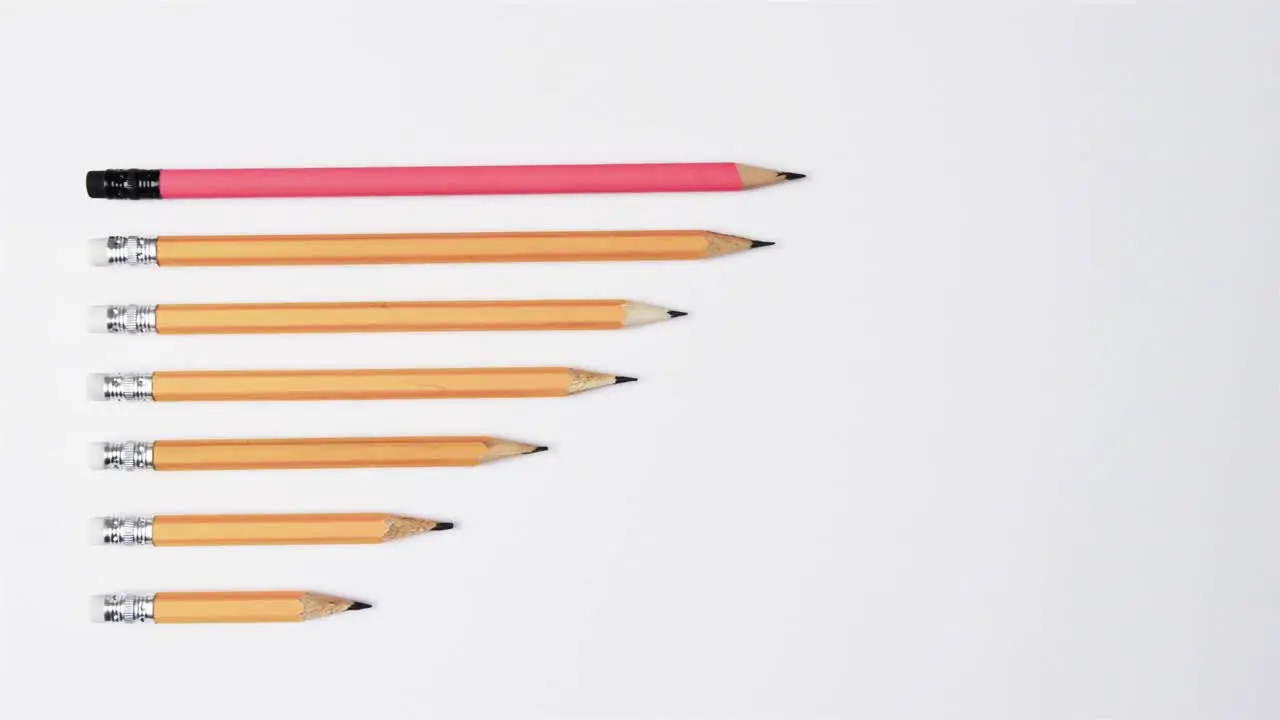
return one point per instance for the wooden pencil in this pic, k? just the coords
(416, 248)
(221, 607)
(300, 453)
(153, 184)
(295, 529)
(377, 384)
(257, 318)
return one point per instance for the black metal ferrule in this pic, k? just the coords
(130, 184)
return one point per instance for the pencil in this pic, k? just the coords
(263, 318)
(308, 529)
(415, 248)
(219, 607)
(300, 453)
(376, 384)
(138, 184)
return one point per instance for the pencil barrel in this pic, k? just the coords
(316, 453)
(389, 317)
(299, 529)
(266, 385)
(401, 248)
(473, 180)
(364, 317)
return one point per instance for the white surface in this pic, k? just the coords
(95, 318)
(991, 433)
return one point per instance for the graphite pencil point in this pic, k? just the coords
(540, 448)
(676, 313)
(761, 243)
(442, 526)
(791, 175)
(618, 380)
(357, 605)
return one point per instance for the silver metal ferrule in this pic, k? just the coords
(128, 608)
(128, 456)
(131, 250)
(131, 319)
(126, 387)
(126, 530)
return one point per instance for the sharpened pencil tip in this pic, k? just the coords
(358, 606)
(791, 175)
(619, 379)
(540, 448)
(676, 313)
(761, 243)
(442, 526)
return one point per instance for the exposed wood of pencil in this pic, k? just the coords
(375, 384)
(754, 177)
(248, 607)
(352, 452)
(406, 316)
(303, 529)
(405, 248)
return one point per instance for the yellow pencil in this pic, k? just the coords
(219, 607)
(390, 384)
(415, 248)
(261, 318)
(296, 529)
(299, 453)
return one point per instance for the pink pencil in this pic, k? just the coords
(480, 180)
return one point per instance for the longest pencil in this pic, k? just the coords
(413, 248)
(219, 607)
(375, 384)
(138, 184)
(260, 318)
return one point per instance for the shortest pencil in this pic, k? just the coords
(300, 529)
(219, 607)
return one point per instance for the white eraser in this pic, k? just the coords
(98, 252)
(95, 530)
(97, 318)
(96, 452)
(96, 386)
(97, 608)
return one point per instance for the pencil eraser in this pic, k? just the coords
(96, 319)
(98, 252)
(95, 183)
(96, 386)
(95, 531)
(97, 608)
(96, 452)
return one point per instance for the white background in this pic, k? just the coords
(989, 434)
